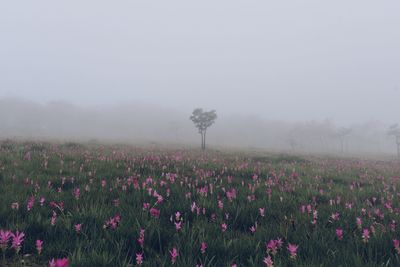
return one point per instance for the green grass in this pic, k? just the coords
(284, 184)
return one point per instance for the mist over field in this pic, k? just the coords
(281, 76)
(146, 124)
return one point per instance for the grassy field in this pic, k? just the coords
(94, 205)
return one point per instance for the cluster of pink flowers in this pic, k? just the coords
(215, 198)
(16, 238)
(140, 240)
(112, 222)
(272, 249)
(273, 245)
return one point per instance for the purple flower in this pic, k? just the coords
(17, 240)
(4, 238)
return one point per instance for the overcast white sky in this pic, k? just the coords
(289, 60)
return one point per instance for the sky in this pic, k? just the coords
(283, 60)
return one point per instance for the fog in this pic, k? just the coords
(143, 124)
(284, 76)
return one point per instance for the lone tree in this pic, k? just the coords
(202, 120)
(342, 133)
(394, 130)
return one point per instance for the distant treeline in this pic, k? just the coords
(138, 123)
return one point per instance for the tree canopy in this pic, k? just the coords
(202, 120)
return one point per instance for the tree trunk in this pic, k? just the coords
(204, 143)
(203, 140)
(201, 133)
(202, 146)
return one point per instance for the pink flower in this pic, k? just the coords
(39, 246)
(253, 228)
(268, 261)
(78, 228)
(17, 240)
(359, 222)
(396, 244)
(146, 206)
(155, 213)
(279, 242)
(41, 201)
(339, 233)
(15, 205)
(203, 247)
(53, 219)
(220, 205)
(59, 263)
(160, 198)
(335, 216)
(31, 202)
(4, 238)
(141, 238)
(139, 258)
(62, 262)
(77, 193)
(174, 254)
(292, 250)
(365, 235)
(274, 245)
(178, 225)
(231, 194)
(262, 212)
(224, 227)
(392, 226)
(112, 222)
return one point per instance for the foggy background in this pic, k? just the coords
(282, 75)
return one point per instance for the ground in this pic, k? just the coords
(111, 205)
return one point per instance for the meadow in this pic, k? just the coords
(76, 204)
